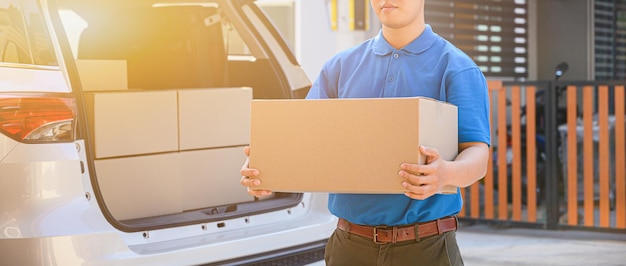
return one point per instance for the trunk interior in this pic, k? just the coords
(167, 98)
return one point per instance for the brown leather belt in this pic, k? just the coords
(393, 234)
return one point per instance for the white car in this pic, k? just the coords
(122, 127)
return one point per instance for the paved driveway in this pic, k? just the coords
(482, 245)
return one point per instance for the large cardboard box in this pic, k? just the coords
(133, 122)
(347, 145)
(141, 186)
(216, 117)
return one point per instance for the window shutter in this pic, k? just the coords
(493, 32)
(610, 39)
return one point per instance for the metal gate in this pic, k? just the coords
(557, 157)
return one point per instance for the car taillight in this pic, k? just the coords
(37, 119)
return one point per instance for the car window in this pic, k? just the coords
(24, 38)
(11, 53)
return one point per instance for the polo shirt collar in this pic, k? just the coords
(420, 44)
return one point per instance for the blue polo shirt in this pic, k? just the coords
(429, 66)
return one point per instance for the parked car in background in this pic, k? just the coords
(122, 127)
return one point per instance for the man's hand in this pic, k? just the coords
(423, 181)
(248, 177)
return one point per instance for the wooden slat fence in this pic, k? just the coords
(590, 167)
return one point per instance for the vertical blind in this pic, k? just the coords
(493, 32)
(610, 39)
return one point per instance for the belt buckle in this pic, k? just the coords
(375, 234)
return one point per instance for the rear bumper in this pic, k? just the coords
(300, 240)
(298, 255)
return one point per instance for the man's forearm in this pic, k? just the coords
(471, 163)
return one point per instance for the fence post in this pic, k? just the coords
(553, 163)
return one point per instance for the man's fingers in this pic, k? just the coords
(431, 154)
(247, 177)
(245, 171)
(259, 193)
(250, 182)
(418, 191)
(417, 169)
(417, 180)
(428, 151)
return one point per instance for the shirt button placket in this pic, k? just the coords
(390, 86)
(395, 56)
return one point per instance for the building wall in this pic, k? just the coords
(317, 41)
(559, 30)
(563, 35)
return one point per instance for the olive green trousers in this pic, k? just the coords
(344, 248)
